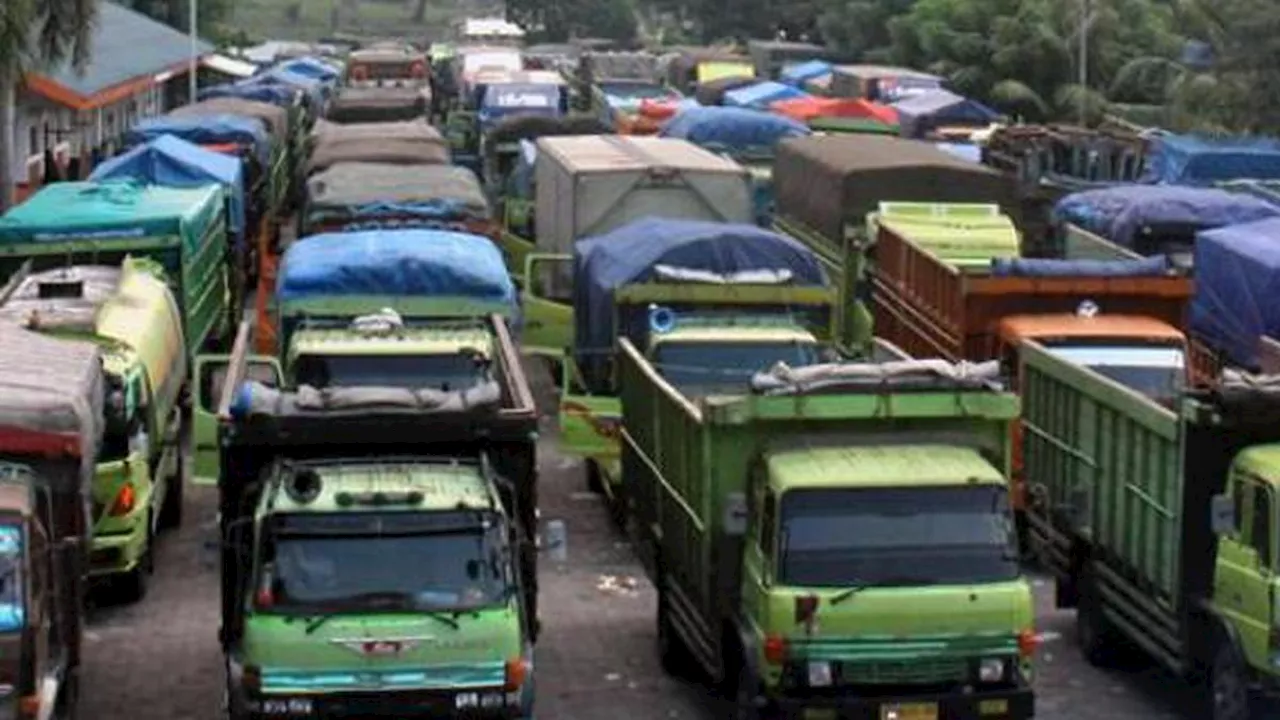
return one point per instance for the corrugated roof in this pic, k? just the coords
(126, 45)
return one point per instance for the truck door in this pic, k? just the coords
(1246, 567)
(548, 304)
(210, 373)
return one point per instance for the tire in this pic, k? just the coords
(745, 691)
(1228, 689)
(171, 512)
(1094, 634)
(676, 659)
(134, 584)
(595, 482)
(69, 702)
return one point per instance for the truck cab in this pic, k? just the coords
(336, 618)
(915, 541)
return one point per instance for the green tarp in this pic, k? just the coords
(104, 211)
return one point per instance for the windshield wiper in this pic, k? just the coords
(897, 581)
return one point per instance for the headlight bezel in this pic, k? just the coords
(819, 674)
(992, 669)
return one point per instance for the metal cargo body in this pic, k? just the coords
(589, 185)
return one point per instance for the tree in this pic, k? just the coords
(211, 14)
(35, 33)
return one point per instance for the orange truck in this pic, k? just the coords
(947, 281)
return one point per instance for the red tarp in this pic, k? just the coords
(805, 109)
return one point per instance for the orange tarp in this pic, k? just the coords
(807, 108)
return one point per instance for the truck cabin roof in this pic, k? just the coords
(1068, 326)
(832, 466)
(383, 485)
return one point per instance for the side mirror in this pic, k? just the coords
(1222, 515)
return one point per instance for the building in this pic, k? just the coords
(138, 68)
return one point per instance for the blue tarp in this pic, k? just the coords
(762, 94)
(1191, 160)
(919, 114)
(629, 254)
(316, 90)
(174, 162)
(733, 127)
(311, 67)
(206, 130)
(964, 151)
(1038, 267)
(1237, 283)
(798, 74)
(1118, 213)
(282, 95)
(407, 263)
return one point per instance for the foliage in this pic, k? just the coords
(560, 20)
(211, 14)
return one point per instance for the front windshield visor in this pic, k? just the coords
(450, 568)
(922, 535)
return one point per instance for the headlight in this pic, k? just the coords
(819, 674)
(991, 670)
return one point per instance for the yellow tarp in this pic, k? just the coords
(709, 71)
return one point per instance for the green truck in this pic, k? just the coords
(732, 300)
(130, 314)
(825, 186)
(404, 308)
(183, 229)
(835, 540)
(1158, 519)
(378, 548)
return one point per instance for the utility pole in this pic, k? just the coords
(1085, 11)
(195, 49)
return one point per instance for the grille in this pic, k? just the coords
(916, 671)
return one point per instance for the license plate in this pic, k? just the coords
(993, 707)
(909, 711)
(290, 706)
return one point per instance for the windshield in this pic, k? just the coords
(896, 536)
(1159, 372)
(728, 366)
(635, 90)
(456, 570)
(455, 371)
(11, 601)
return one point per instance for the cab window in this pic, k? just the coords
(1260, 524)
(768, 524)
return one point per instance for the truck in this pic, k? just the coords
(1157, 519)
(1231, 313)
(406, 308)
(825, 186)
(410, 142)
(378, 547)
(183, 229)
(590, 185)
(730, 300)
(392, 103)
(51, 398)
(129, 312)
(834, 540)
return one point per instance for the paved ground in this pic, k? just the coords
(158, 660)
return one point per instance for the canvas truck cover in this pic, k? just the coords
(620, 66)
(407, 263)
(372, 104)
(207, 130)
(274, 94)
(761, 94)
(312, 67)
(447, 189)
(274, 117)
(712, 92)
(1191, 160)
(797, 74)
(634, 252)
(1119, 213)
(732, 128)
(589, 185)
(919, 114)
(828, 181)
(402, 143)
(115, 210)
(174, 162)
(1237, 283)
(52, 387)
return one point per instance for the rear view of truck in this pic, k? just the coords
(835, 540)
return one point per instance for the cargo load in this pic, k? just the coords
(377, 104)
(411, 142)
(1237, 283)
(358, 196)
(733, 130)
(922, 114)
(1195, 160)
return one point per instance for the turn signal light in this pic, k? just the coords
(29, 706)
(1028, 641)
(775, 649)
(517, 672)
(126, 499)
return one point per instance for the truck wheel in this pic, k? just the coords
(171, 512)
(595, 483)
(677, 661)
(68, 707)
(1229, 695)
(1093, 633)
(134, 585)
(746, 688)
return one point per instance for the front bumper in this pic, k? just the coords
(1015, 703)
(120, 551)
(455, 705)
